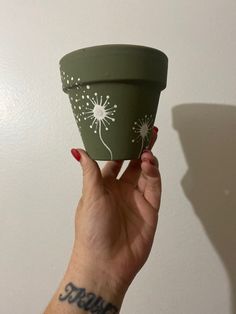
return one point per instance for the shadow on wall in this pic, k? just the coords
(208, 137)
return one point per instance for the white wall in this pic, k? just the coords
(192, 265)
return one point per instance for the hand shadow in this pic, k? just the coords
(208, 137)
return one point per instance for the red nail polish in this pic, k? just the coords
(155, 129)
(76, 154)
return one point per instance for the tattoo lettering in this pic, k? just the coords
(87, 301)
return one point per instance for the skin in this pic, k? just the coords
(115, 224)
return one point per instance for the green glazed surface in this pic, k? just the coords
(114, 92)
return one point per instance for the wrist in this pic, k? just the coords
(88, 296)
(86, 288)
(96, 277)
(100, 269)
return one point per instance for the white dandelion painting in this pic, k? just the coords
(97, 109)
(142, 128)
(100, 113)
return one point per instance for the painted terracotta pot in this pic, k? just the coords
(114, 92)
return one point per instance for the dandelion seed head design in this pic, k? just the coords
(95, 109)
(98, 111)
(142, 128)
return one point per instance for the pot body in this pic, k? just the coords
(114, 101)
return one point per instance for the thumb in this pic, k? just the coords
(92, 177)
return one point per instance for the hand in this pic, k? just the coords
(115, 224)
(116, 219)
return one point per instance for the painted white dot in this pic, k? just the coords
(72, 79)
(113, 119)
(76, 100)
(74, 107)
(95, 94)
(84, 118)
(83, 96)
(83, 91)
(67, 81)
(115, 106)
(78, 79)
(87, 96)
(90, 126)
(79, 119)
(106, 129)
(107, 96)
(71, 98)
(67, 75)
(95, 131)
(132, 141)
(88, 87)
(63, 72)
(79, 107)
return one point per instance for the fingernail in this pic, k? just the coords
(75, 154)
(155, 129)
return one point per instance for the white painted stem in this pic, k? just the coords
(100, 135)
(141, 148)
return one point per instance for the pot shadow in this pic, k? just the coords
(208, 137)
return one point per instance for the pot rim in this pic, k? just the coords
(114, 63)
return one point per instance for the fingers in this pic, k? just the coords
(112, 169)
(133, 171)
(92, 178)
(153, 138)
(150, 180)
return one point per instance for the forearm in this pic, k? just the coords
(85, 291)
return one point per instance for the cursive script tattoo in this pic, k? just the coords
(87, 301)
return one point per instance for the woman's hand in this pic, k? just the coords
(116, 219)
(115, 225)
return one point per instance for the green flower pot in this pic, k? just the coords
(114, 92)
